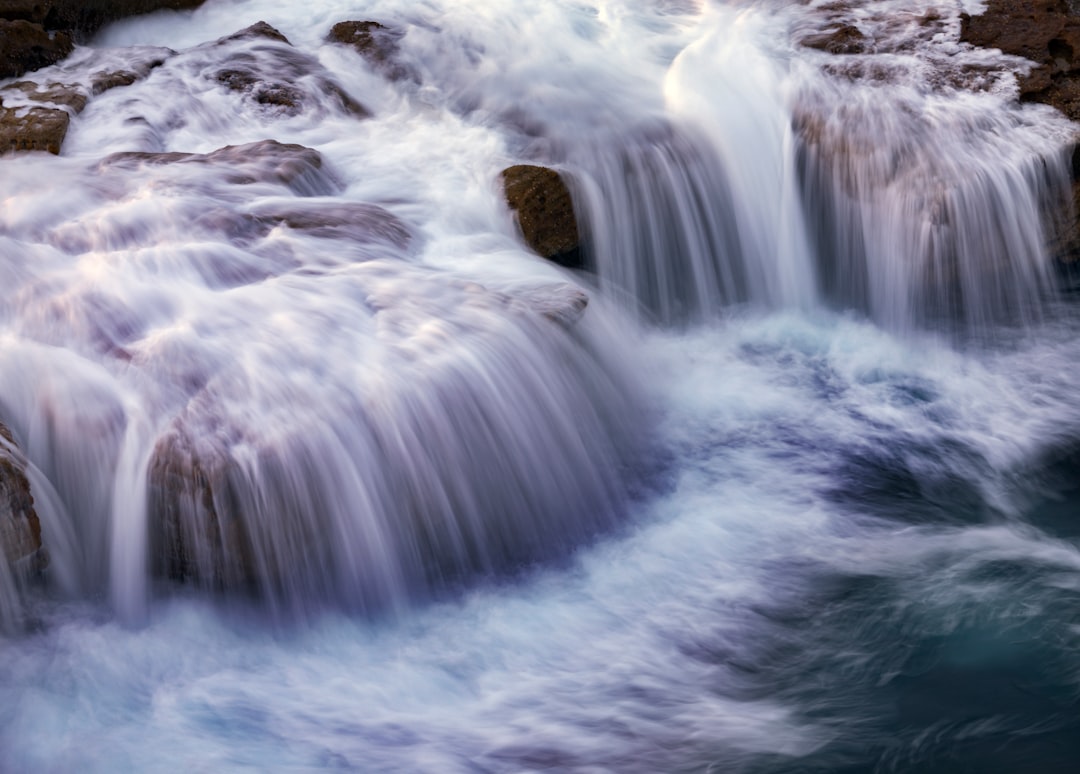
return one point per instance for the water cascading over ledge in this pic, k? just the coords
(303, 410)
(893, 177)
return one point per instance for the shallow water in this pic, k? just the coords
(797, 492)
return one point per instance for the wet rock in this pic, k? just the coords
(56, 94)
(545, 213)
(135, 70)
(196, 534)
(846, 39)
(272, 74)
(267, 161)
(20, 529)
(375, 42)
(27, 46)
(1044, 31)
(353, 221)
(33, 129)
(1048, 33)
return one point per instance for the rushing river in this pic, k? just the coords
(334, 473)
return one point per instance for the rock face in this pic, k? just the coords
(1048, 33)
(545, 212)
(38, 33)
(20, 529)
(1044, 31)
(27, 46)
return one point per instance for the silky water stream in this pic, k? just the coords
(334, 474)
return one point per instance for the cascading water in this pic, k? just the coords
(332, 473)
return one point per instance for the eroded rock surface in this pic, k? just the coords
(1045, 31)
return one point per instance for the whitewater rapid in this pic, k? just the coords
(784, 481)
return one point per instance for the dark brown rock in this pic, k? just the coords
(545, 212)
(20, 528)
(27, 46)
(33, 129)
(376, 43)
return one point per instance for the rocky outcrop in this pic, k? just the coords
(38, 33)
(20, 529)
(1048, 33)
(545, 213)
(1045, 31)
(28, 46)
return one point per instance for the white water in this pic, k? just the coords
(458, 534)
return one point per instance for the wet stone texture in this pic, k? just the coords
(1048, 33)
(545, 212)
(20, 529)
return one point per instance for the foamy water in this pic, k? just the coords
(793, 491)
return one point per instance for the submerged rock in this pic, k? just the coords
(545, 213)
(20, 529)
(266, 161)
(375, 42)
(266, 69)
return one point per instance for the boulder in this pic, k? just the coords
(545, 213)
(33, 129)
(20, 529)
(27, 46)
